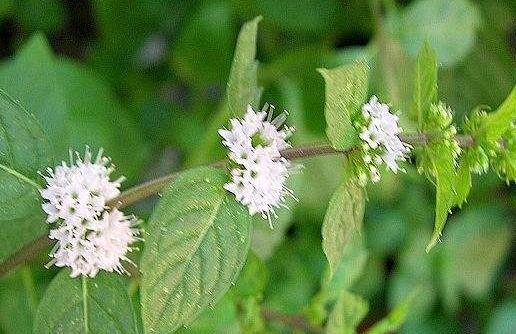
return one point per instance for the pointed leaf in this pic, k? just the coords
(346, 92)
(85, 305)
(24, 150)
(462, 182)
(347, 313)
(197, 244)
(343, 218)
(499, 121)
(425, 82)
(395, 319)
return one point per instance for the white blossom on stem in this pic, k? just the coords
(89, 236)
(260, 172)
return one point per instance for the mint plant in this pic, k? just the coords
(197, 241)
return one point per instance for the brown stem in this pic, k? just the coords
(293, 321)
(152, 187)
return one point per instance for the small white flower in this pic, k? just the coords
(380, 138)
(93, 245)
(89, 238)
(254, 143)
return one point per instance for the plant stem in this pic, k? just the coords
(297, 322)
(153, 187)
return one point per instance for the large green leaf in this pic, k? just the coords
(198, 242)
(449, 26)
(347, 313)
(425, 82)
(74, 107)
(24, 151)
(343, 219)
(85, 305)
(346, 91)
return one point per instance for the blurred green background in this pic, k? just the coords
(143, 79)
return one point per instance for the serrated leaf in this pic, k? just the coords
(395, 319)
(462, 181)
(425, 82)
(85, 305)
(347, 313)
(499, 121)
(343, 218)
(198, 241)
(243, 86)
(24, 150)
(346, 92)
(443, 164)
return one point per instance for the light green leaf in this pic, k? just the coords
(462, 181)
(243, 88)
(24, 150)
(449, 26)
(343, 218)
(425, 82)
(443, 164)
(395, 319)
(346, 92)
(347, 313)
(499, 121)
(197, 244)
(85, 306)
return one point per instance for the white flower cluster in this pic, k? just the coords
(379, 132)
(89, 237)
(260, 172)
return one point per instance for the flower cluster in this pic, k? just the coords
(379, 132)
(89, 237)
(260, 172)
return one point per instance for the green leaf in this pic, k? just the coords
(85, 305)
(425, 82)
(346, 92)
(462, 181)
(343, 218)
(449, 26)
(197, 244)
(395, 319)
(243, 88)
(74, 107)
(442, 159)
(499, 121)
(24, 150)
(503, 319)
(347, 313)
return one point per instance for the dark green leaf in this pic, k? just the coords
(346, 92)
(24, 150)
(343, 219)
(85, 305)
(198, 242)
(425, 82)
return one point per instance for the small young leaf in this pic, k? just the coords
(197, 244)
(346, 91)
(442, 159)
(425, 82)
(395, 319)
(343, 218)
(85, 305)
(243, 86)
(24, 150)
(347, 313)
(499, 121)
(462, 181)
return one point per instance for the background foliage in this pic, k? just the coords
(146, 80)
